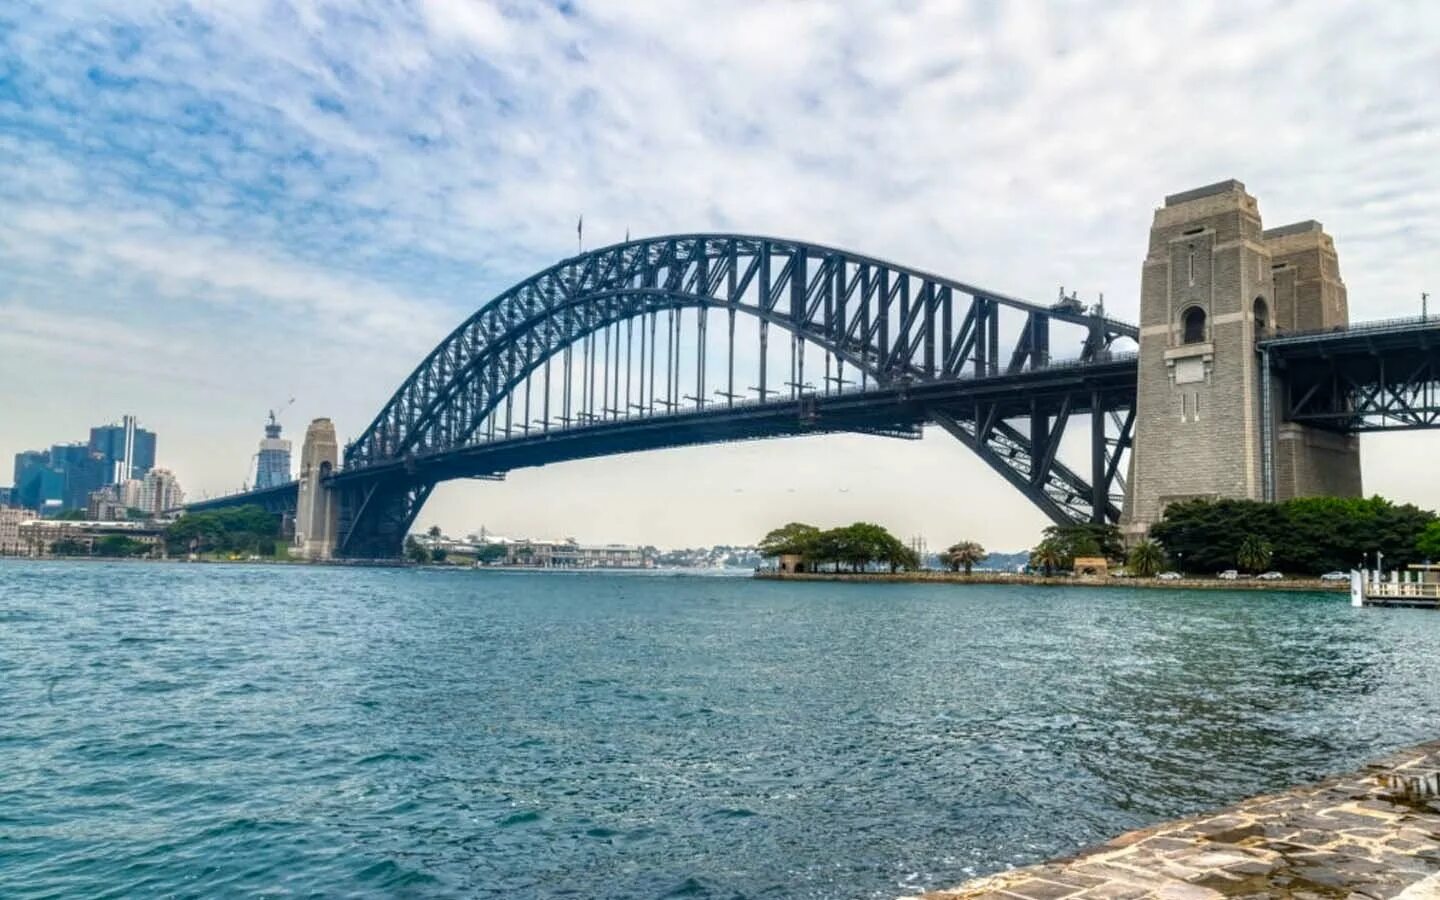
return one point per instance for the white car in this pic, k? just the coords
(1228, 575)
(1335, 576)
(1169, 576)
(1270, 576)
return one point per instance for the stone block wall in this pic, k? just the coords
(1199, 429)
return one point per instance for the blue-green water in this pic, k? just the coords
(202, 730)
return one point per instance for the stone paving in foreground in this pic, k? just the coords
(1370, 834)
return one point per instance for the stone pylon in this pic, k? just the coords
(1214, 284)
(317, 507)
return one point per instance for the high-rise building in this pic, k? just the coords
(160, 492)
(84, 471)
(64, 477)
(5, 494)
(129, 492)
(272, 465)
(128, 451)
(35, 481)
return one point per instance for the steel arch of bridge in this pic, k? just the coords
(893, 325)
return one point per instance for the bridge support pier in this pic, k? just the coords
(1214, 284)
(316, 509)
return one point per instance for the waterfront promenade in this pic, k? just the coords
(1374, 833)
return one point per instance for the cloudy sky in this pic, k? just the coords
(210, 207)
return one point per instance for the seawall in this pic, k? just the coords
(1369, 834)
(1308, 585)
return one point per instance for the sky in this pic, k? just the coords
(208, 208)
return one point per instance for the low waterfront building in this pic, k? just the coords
(63, 537)
(1091, 567)
(570, 554)
(791, 563)
(10, 519)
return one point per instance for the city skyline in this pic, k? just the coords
(374, 177)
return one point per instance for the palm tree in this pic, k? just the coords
(1254, 553)
(1048, 556)
(965, 553)
(1146, 558)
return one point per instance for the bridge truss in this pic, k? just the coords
(1378, 376)
(708, 338)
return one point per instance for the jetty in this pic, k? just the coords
(1416, 587)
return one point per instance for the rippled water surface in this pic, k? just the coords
(172, 729)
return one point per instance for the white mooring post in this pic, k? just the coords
(1357, 587)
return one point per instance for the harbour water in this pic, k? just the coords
(201, 730)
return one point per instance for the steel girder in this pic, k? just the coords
(376, 514)
(887, 321)
(1380, 377)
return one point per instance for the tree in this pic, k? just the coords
(1146, 559)
(490, 553)
(71, 515)
(964, 554)
(242, 530)
(1428, 544)
(120, 545)
(434, 531)
(1254, 554)
(1306, 535)
(438, 555)
(1085, 539)
(795, 539)
(415, 551)
(1047, 556)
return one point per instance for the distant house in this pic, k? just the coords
(790, 563)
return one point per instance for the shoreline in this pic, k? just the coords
(1291, 585)
(1372, 832)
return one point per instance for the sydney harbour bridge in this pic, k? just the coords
(709, 338)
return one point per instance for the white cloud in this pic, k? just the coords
(389, 167)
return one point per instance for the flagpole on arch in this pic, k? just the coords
(579, 234)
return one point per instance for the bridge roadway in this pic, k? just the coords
(898, 410)
(1371, 376)
(1368, 377)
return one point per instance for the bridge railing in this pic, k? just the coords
(1376, 326)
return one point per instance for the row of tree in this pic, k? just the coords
(1311, 535)
(244, 530)
(858, 546)
(111, 546)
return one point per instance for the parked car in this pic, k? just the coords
(1270, 576)
(1169, 576)
(1228, 575)
(1335, 576)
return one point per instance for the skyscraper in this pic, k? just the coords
(65, 476)
(272, 465)
(83, 470)
(128, 451)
